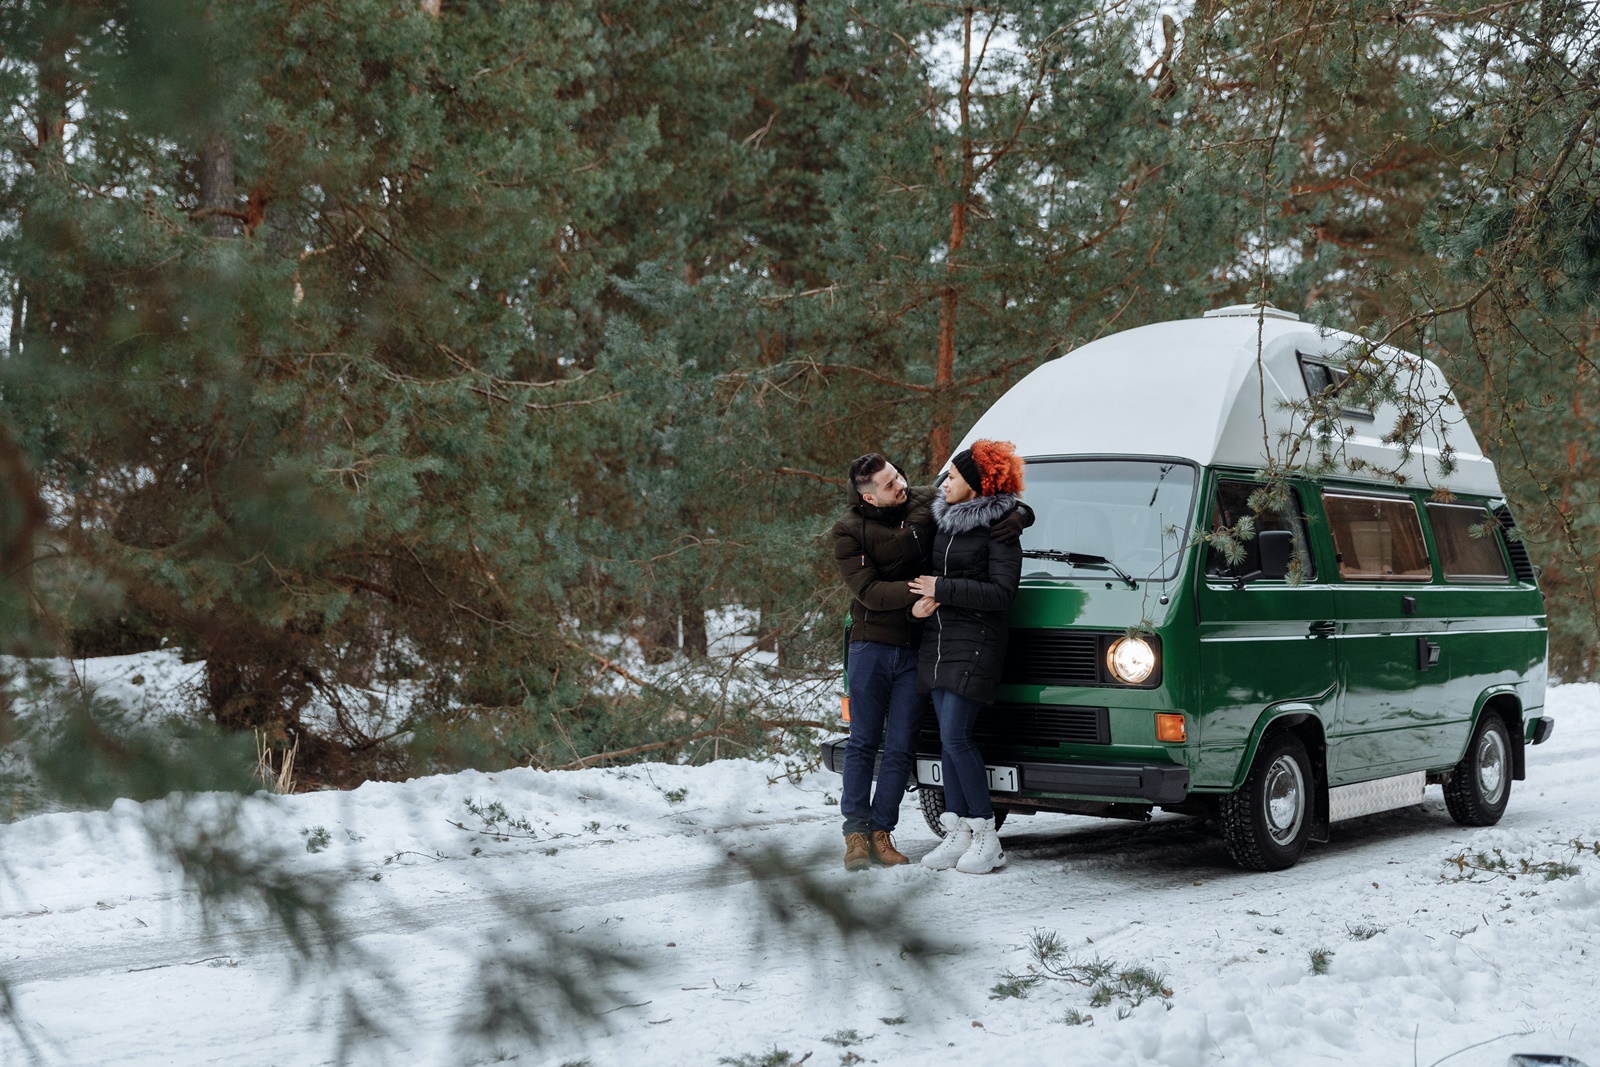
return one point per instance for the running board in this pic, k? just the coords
(1380, 794)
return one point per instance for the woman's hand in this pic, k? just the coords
(923, 586)
(924, 607)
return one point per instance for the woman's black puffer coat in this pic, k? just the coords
(964, 644)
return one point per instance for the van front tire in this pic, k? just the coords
(1267, 822)
(932, 801)
(1480, 785)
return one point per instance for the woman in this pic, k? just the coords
(963, 650)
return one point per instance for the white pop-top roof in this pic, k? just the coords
(1212, 390)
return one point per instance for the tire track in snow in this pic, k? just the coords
(483, 907)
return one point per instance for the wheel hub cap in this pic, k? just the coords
(1285, 799)
(1491, 767)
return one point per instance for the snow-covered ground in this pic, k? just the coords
(1424, 961)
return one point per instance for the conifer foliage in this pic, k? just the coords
(301, 301)
(383, 342)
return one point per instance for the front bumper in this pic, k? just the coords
(1153, 783)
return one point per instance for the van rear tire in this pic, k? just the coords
(932, 801)
(1267, 822)
(1480, 785)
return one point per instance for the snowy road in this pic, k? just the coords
(109, 962)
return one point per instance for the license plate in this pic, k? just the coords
(1001, 779)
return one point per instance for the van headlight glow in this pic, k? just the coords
(1130, 660)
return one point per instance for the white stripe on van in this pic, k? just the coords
(1352, 637)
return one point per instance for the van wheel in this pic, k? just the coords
(1267, 822)
(933, 806)
(1480, 785)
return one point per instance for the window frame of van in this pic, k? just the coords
(1424, 533)
(1308, 539)
(1334, 388)
(1496, 534)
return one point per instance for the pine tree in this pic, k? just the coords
(923, 233)
(1427, 177)
(303, 300)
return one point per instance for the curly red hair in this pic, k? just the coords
(1000, 466)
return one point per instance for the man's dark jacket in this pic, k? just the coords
(964, 647)
(879, 551)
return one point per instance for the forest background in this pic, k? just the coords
(375, 347)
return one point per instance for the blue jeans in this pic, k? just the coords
(966, 779)
(885, 708)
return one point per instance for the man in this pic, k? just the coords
(882, 542)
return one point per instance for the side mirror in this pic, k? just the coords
(1277, 550)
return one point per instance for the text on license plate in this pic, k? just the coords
(1001, 779)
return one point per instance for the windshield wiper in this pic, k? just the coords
(1079, 559)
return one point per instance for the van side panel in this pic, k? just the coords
(1416, 657)
(1486, 651)
(1259, 646)
(1495, 641)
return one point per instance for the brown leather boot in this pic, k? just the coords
(884, 852)
(857, 853)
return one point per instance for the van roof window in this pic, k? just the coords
(1326, 380)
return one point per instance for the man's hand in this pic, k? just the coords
(1010, 528)
(923, 586)
(924, 607)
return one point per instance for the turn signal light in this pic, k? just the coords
(844, 708)
(1169, 726)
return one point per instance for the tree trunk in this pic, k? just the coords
(218, 194)
(55, 85)
(945, 370)
(694, 625)
(19, 307)
(949, 302)
(657, 633)
(800, 51)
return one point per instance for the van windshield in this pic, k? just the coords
(1133, 513)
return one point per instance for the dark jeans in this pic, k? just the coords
(966, 780)
(885, 708)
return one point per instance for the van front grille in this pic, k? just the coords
(1068, 657)
(1011, 725)
(1052, 657)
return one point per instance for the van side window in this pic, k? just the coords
(1231, 504)
(1463, 556)
(1377, 538)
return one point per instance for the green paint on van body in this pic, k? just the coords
(1348, 661)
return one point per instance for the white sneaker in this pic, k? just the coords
(957, 838)
(984, 854)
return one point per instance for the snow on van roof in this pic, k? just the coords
(1213, 390)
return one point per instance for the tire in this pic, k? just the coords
(932, 801)
(1267, 822)
(1480, 785)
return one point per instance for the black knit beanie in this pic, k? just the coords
(963, 462)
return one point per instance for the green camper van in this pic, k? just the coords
(1378, 635)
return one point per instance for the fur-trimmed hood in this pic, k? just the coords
(971, 514)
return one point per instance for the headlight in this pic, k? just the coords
(1130, 660)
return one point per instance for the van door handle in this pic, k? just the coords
(1322, 629)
